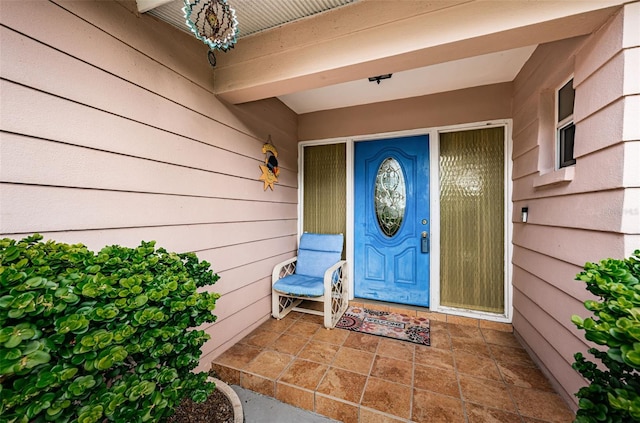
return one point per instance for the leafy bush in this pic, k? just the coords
(101, 336)
(614, 393)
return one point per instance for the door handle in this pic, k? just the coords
(424, 242)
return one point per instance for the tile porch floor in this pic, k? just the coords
(474, 371)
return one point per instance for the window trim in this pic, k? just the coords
(561, 161)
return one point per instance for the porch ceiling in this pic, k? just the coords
(323, 61)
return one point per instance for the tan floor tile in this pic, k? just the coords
(361, 341)
(507, 339)
(470, 346)
(269, 364)
(441, 381)
(343, 384)
(462, 331)
(262, 385)
(303, 373)
(434, 357)
(460, 320)
(429, 407)
(301, 328)
(438, 317)
(226, 374)
(295, 396)
(393, 370)
(337, 410)
(259, 338)
(368, 415)
(275, 325)
(238, 356)
(477, 365)
(442, 342)
(404, 311)
(294, 315)
(312, 318)
(320, 352)
(481, 414)
(288, 344)
(439, 335)
(388, 397)
(503, 327)
(486, 392)
(356, 304)
(332, 336)
(438, 326)
(402, 350)
(355, 360)
(525, 376)
(504, 354)
(541, 405)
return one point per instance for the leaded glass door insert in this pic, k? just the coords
(390, 197)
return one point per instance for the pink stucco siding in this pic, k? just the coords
(111, 134)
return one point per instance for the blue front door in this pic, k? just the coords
(391, 252)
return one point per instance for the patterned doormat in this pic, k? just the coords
(384, 323)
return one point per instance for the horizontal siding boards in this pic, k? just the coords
(87, 168)
(237, 325)
(597, 172)
(134, 49)
(597, 133)
(194, 237)
(78, 81)
(558, 306)
(558, 274)
(570, 245)
(604, 45)
(573, 222)
(235, 256)
(528, 135)
(237, 279)
(119, 139)
(45, 209)
(116, 134)
(236, 300)
(600, 89)
(565, 380)
(526, 164)
(600, 211)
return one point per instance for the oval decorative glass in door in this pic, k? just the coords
(390, 196)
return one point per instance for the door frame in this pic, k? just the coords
(434, 189)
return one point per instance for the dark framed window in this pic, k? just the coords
(565, 128)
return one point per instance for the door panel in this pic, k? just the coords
(391, 213)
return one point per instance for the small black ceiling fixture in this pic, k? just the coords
(380, 78)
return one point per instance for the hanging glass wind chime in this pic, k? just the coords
(213, 22)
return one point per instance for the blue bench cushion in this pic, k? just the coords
(300, 285)
(318, 252)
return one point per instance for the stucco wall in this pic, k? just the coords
(111, 134)
(577, 214)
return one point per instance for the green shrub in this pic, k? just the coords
(614, 392)
(101, 336)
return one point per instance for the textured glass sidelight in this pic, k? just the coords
(390, 196)
(472, 220)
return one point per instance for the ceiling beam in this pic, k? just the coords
(146, 5)
(377, 37)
